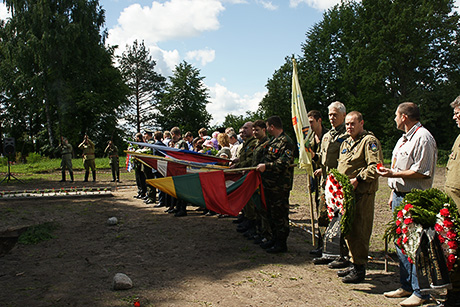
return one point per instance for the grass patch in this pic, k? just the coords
(38, 233)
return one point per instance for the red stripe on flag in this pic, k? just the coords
(214, 191)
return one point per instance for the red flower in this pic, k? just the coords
(398, 242)
(410, 259)
(405, 230)
(452, 244)
(398, 222)
(334, 194)
(379, 166)
(408, 221)
(137, 304)
(408, 207)
(340, 194)
(331, 189)
(400, 213)
(398, 230)
(451, 235)
(333, 200)
(448, 223)
(403, 251)
(438, 227)
(451, 258)
(444, 212)
(441, 239)
(405, 240)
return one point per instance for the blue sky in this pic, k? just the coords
(236, 44)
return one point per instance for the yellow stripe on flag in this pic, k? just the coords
(165, 184)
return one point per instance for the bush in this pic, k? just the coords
(34, 157)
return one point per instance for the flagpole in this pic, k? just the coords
(312, 213)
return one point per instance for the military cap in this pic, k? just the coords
(148, 131)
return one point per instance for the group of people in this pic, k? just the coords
(355, 152)
(89, 159)
(273, 157)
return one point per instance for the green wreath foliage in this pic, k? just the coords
(348, 201)
(426, 205)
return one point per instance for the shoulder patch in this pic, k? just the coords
(344, 151)
(373, 146)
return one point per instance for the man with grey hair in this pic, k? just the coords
(328, 155)
(452, 188)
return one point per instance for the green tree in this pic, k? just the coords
(56, 73)
(184, 102)
(146, 86)
(376, 54)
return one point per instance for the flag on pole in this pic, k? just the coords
(300, 122)
(215, 190)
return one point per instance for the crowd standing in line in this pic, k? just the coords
(347, 147)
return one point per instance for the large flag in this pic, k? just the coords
(183, 154)
(171, 166)
(214, 190)
(300, 122)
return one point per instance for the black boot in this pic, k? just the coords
(356, 275)
(94, 176)
(118, 176)
(63, 177)
(279, 247)
(71, 176)
(86, 176)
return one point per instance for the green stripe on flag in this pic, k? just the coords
(188, 188)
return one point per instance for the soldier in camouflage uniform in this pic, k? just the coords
(89, 158)
(263, 232)
(359, 156)
(277, 178)
(327, 156)
(244, 159)
(112, 152)
(66, 155)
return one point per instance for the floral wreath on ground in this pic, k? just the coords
(340, 198)
(420, 210)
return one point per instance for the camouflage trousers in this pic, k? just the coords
(278, 213)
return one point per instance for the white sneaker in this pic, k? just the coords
(413, 300)
(397, 293)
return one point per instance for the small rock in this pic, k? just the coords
(122, 282)
(112, 221)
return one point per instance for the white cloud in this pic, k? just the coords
(267, 5)
(172, 19)
(204, 56)
(317, 4)
(4, 14)
(225, 102)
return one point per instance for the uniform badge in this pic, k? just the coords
(288, 153)
(373, 147)
(344, 151)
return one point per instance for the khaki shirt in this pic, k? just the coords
(453, 166)
(329, 150)
(88, 150)
(358, 159)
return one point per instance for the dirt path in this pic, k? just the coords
(188, 261)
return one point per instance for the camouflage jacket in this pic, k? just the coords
(278, 157)
(259, 151)
(246, 153)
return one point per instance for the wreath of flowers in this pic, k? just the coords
(340, 199)
(447, 235)
(420, 210)
(409, 233)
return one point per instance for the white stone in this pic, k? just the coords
(112, 221)
(122, 282)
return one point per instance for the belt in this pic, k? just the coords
(400, 194)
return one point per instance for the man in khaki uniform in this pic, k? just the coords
(326, 157)
(66, 154)
(89, 158)
(452, 188)
(359, 156)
